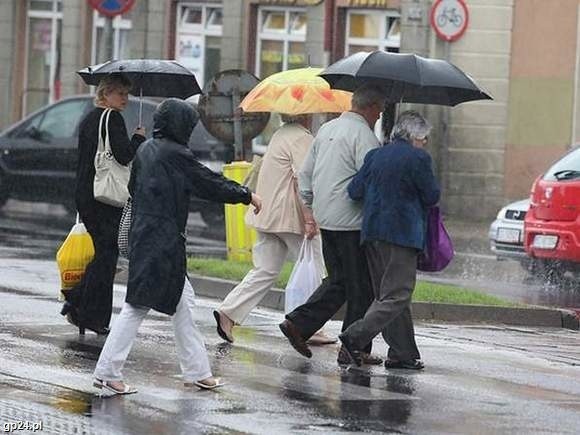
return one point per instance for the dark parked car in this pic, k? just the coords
(38, 154)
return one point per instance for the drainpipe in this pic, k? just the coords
(575, 139)
(328, 30)
(146, 30)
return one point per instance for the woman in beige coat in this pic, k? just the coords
(281, 226)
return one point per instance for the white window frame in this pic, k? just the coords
(286, 37)
(382, 43)
(119, 23)
(202, 30)
(199, 29)
(54, 15)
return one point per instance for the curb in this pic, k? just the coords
(539, 317)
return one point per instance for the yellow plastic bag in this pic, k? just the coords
(76, 252)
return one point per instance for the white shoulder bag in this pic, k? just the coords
(111, 177)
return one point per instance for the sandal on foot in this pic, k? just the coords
(106, 385)
(320, 339)
(220, 330)
(410, 364)
(200, 384)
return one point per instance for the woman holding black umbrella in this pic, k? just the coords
(89, 304)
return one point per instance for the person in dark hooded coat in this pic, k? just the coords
(164, 176)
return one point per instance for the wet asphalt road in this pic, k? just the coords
(478, 379)
(36, 230)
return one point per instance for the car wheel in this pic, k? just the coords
(548, 271)
(213, 216)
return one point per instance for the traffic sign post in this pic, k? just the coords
(449, 19)
(112, 8)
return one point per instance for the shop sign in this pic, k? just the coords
(370, 3)
(191, 54)
(111, 8)
(41, 35)
(291, 2)
(449, 19)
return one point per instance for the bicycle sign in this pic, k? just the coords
(449, 18)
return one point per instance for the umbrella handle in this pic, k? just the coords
(141, 108)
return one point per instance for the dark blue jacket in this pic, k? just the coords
(397, 185)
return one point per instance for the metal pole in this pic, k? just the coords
(445, 179)
(238, 138)
(108, 39)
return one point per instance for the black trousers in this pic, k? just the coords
(347, 282)
(93, 296)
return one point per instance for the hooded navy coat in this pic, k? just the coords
(164, 176)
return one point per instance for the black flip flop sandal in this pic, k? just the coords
(219, 329)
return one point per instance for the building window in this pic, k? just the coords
(44, 27)
(198, 41)
(370, 30)
(121, 30)
(281, 40)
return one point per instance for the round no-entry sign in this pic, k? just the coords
(449, 18)
(111, 8)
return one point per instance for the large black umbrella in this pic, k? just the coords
(406, 78)
(150, 77)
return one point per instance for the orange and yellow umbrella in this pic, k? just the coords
(296, 92)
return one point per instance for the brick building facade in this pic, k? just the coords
(523, 52)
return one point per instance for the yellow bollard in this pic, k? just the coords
(239, 238)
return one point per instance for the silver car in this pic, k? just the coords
(506, 233)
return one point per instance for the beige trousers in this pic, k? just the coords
(269, 254)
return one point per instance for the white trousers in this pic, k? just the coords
(189, 342)
(269, 254)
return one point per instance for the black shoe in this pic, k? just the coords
(99, 330)
(410, 364)
(349, 349)
(295, 339)
(366, 358)
(67, 307)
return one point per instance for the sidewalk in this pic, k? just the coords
(534, 316)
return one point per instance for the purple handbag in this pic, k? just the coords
(438, 247)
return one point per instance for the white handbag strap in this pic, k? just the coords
(104, 145)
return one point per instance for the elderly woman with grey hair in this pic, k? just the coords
(397, 185)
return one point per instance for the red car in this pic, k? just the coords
(552, 224)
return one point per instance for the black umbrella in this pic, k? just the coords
(406, 78)
(150, 77)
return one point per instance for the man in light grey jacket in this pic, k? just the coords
(336, 155)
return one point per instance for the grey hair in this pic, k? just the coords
(367, 95)
(290, 119)
(411, 125)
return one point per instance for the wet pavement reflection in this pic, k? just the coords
(479, 378)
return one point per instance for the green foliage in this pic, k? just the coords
(424, 291)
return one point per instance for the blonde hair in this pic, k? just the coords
(110, 83)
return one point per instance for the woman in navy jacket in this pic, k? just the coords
(397, 186)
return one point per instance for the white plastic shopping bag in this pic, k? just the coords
(305, 277)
